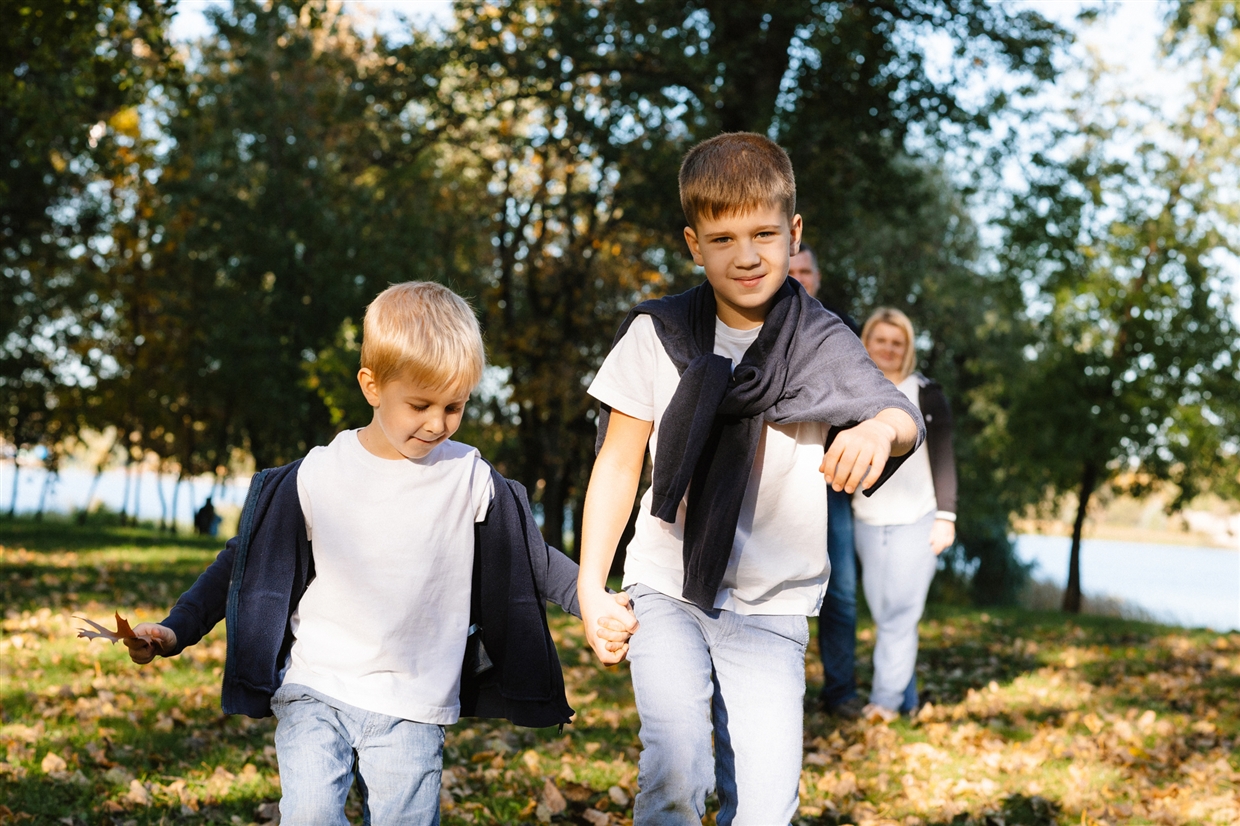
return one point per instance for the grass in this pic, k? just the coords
(1034, 718)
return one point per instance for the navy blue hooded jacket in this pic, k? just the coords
(257, 581)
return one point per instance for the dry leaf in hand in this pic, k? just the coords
(122, 632)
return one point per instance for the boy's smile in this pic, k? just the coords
(410, 420)
(746, 260)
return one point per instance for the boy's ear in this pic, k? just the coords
(795, 231)
(370, 387)
(694, 249)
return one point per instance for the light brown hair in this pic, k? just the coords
(889, 315)
(425, 333)
(733, 173)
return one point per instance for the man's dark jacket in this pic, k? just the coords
(258, 580)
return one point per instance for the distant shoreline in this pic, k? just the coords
(1123, 533)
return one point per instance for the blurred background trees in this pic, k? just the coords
(190, 238)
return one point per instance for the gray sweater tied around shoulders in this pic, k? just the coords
(805, 366)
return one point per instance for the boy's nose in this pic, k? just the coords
(747, 256)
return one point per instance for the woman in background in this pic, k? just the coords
(902, 528)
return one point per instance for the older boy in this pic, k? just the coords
(423, 559)
(732, 386)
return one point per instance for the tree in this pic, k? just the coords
(67, 66)
(1134, 377)
(579, 115)
(296, 188)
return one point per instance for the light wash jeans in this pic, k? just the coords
(322, 743)
(737, 678)
(896, 568)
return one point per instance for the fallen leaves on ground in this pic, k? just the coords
(1033, 719)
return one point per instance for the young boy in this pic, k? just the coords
(735, 387)
(360, 572)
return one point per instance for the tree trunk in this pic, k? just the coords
(13, 499)
(1072, 594)
(176, 490)
(125, 494)
(48, 481)
(137, 495)
(163, 500)
(553, 507)
(90, 494)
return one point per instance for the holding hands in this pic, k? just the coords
(609, 622)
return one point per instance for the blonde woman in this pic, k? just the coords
(901, 529)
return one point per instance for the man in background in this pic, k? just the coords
(837, 621)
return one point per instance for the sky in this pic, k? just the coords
(189, 22)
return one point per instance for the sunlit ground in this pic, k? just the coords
(1034, 719)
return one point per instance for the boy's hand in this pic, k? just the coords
(858, 453)
(153, 639)
(942, 535)
(609, 622)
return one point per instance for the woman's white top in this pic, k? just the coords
(908, 494)
(383, 624)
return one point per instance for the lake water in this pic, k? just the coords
(1177, 584)
(1182, 585)
(68, 492)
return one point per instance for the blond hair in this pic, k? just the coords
(889, 315)
(425, 333)
(734, 173)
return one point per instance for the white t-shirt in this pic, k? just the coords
(383, 624)
(779, 561)
(908, 494)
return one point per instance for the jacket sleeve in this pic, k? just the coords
(203, 605)
(938, 416)
(556, 577)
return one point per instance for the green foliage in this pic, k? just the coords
(65, 67)
(209, 234)
(1132, 376)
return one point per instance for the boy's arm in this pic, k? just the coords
(609, 501)
(860, 453)
(556, 577)
(195, 614)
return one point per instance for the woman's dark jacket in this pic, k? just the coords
(256, 582)
(938, 415)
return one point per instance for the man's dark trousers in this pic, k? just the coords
(837, 622)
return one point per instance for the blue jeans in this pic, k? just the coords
(837, 621)
(736, 678)
(896, 568)
(322, 743)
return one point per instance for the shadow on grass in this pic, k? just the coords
(60, 533)
(1014, 810)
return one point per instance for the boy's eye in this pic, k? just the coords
(421, 408)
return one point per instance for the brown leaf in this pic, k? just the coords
(53, 762)
(552, 799)
(122, 632)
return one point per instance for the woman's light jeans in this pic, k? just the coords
(897, 565)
